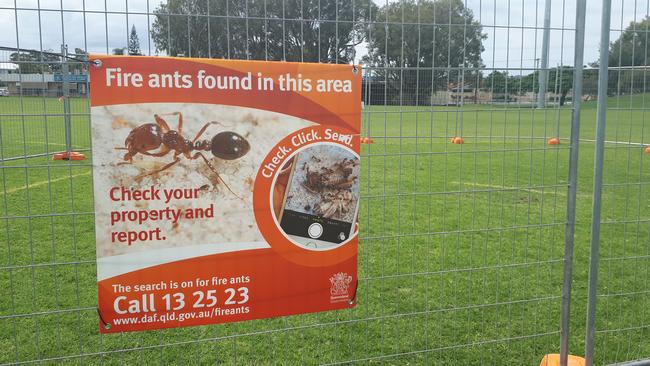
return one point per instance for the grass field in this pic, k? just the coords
(460, 257)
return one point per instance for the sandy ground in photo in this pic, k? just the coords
(234, 219)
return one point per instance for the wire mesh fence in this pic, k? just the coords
(621, 321)
(35, 106)
(462, 245)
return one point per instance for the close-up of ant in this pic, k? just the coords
(150, 136)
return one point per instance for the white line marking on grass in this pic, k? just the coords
(499, 187)
(549, 190)
(618, 142)
(43, 182)
(44, 143)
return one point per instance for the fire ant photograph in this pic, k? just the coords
(210, 151)
(317, 196)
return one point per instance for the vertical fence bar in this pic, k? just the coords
(569, 236)
(475, 228)
(601, 118)
(65, 74)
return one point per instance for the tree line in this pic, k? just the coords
(50, 61)
(403, 38)
(629, 72)
(415, 47)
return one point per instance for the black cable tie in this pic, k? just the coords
(354, 56)
(107, 325)
(354, 295)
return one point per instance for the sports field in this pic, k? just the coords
(460, 257)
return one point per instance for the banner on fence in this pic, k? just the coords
(224, 190)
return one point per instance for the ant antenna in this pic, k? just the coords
(220, 124)
(207, 162)
(228, 187)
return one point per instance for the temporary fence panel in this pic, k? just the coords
(618, 322)
(464, 202)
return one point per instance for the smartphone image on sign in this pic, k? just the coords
(321, 200)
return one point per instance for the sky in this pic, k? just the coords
(513, 27)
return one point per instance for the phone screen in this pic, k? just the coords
(322, 197)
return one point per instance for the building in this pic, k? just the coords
(49, 85)
(7, 67)
(457, 95)
(468, 94)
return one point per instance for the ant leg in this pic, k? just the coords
(176, 161)
(207, 162)
(128, 159)
(180, 121)
(202, 130)
(162, 123)
(164, 150)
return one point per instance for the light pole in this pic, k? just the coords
(535, 93)
(543, 71)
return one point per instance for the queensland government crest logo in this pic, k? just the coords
(340, 285)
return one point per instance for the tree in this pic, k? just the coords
(560, 81)
(118, 51)
(48, 61)
(134, 43)
(439, 35)
(498, 82)
(80, 53)
(27, 62)
(629, 56)
(34, 62)
(258, 29)
(590, 80)
(632, 47)
(77, 64)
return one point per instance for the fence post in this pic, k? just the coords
(65, 74)
(594, 254)
(573, 180)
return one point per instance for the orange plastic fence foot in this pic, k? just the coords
(72, 155)
(553, 359)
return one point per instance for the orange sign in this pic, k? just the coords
(224, 190)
